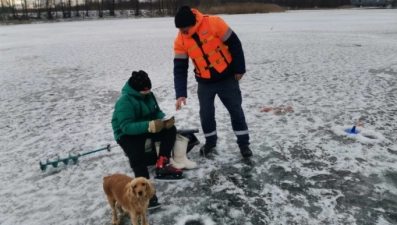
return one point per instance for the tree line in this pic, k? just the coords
(55, 9)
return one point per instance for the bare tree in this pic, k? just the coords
(24, 9)
(2, 12)
(100, 8)
(63, 8)
(48, 8)
(137, 10)
(206, 3)
(111, 6)
(37, 6)
(87, 6)
(12, 7)
(77, 7)
(160, 7)
(54, 3)
(150, 6)
(69, 8)
(4, 9)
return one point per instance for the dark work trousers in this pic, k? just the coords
(229, 93)
(134, 147)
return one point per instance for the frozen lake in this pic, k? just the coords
(59, 83)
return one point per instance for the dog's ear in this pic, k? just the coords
(129, 191)
(149, 189)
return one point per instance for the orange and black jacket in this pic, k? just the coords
(214, 49)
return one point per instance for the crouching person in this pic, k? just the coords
(138, 117)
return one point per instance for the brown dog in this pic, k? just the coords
(132, 194)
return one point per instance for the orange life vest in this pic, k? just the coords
(209, 53)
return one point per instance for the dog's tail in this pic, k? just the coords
(106, 185)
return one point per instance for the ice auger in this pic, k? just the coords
(74, 159)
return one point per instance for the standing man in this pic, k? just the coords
(218, 58)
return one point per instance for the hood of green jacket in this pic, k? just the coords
(127, 89)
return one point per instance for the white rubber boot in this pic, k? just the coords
(177, 165)
(179, 152)
(172, 162)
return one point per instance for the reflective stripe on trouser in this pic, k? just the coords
(229, 93)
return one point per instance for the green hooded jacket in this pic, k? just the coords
(133, 112)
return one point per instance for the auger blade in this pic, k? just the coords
(43, 167)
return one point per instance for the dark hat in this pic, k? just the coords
(184, 17)
(140, 81)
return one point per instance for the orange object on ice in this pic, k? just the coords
(267, 109)
(278, 109)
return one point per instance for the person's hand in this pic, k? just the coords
(169, 122)
(156, 126)
(178, 104)
(238, 76)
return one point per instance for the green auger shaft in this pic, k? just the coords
(43, 166)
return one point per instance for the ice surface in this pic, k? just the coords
(59, 83)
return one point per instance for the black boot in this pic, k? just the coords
(141, 171)
(206, 149)
(246, 152)
(153, 203)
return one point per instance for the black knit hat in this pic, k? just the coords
(184, 17)
(140, 81)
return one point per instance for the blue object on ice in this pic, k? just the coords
(352, 131)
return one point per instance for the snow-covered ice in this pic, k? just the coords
(59, 83)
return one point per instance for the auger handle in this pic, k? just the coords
(108, 147)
